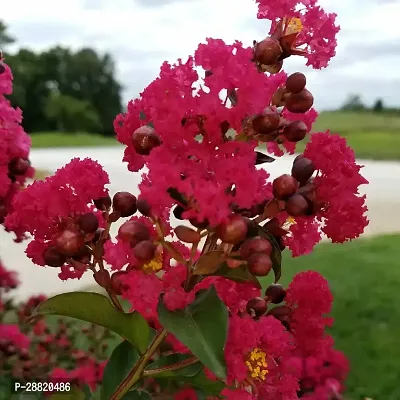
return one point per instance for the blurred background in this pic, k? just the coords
(76, 64)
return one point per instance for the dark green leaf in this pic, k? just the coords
(208, 263)
(122, 360)
(97, 309)
(171, 359)
(202, 327)
(276, 255)
(137, 395)
(87, 392)
(209, 387)
(240, 274)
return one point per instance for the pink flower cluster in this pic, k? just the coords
(15, 144)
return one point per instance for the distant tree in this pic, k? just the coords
(72, 115)
(353, 103)
(378, 106)
(5, 38)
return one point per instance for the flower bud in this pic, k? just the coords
(297, 205)
(133, 232)
(116, 284)
(275, 293)
(103, 203)
(256, 306)
(273, 69)
(296, 82)
(255, 245)
(199, 225)
(102, 278)
(125, 203)
(302, 169)
(69, 242)
(144, 140)
(299, 102)
(259, 264)
(143, 207)
(18, 166)
(232, 231)
(178, 211)
(88, 223)
(268, 51)
(281, 313)
(53, 258)
(284, 186)
(267, 122)
(144, 251)
(295, 131)
(186, 234)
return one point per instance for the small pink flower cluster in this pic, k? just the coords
(15, 144)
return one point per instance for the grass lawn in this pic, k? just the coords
(365, 279)
(65, 139)
(372, 136)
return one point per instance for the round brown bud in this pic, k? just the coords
(299, 102)
(102, 278)
(273, 69)
(267, 122)
(2, 68)
(144, 251)
(186, 234)
(18, 166)
(302, 169)
(296, 82)
(268, 51)
(143, 207)
(116, 284)
(256, 306)
(88, 223)
(259, 264)
(281, 313)
(69, 242)
(133, 232)
(284, 186)
(256, 244)
(232, 231)
(103, 203)
(297, 205)
(275, 293)
(83, 256)
(144, 140)
(53, 258)
(125, 203)
(295, 131)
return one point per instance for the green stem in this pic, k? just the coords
(172, 367)
(137, 371)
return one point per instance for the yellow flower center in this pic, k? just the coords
(288, 223)
(154, 265)
(257, 364)
(292, 25)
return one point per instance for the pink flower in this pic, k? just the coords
(8, 279)
(12, 334)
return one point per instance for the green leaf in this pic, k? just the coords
(122, 360)
(73, 394)
(240, 274)
(208, 263)
(171, 359)
(97, 309)
(276, 255)
(137, 395)
(202, 327)
(202, 382)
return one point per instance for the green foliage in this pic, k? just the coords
(202, 327)
(122, 360)
(172, 359)
(97, 309)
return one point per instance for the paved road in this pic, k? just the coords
(383, 201)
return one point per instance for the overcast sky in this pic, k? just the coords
(141, 34)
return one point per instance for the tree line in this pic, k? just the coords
(63, 90)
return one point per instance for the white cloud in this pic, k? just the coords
(141, 34)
